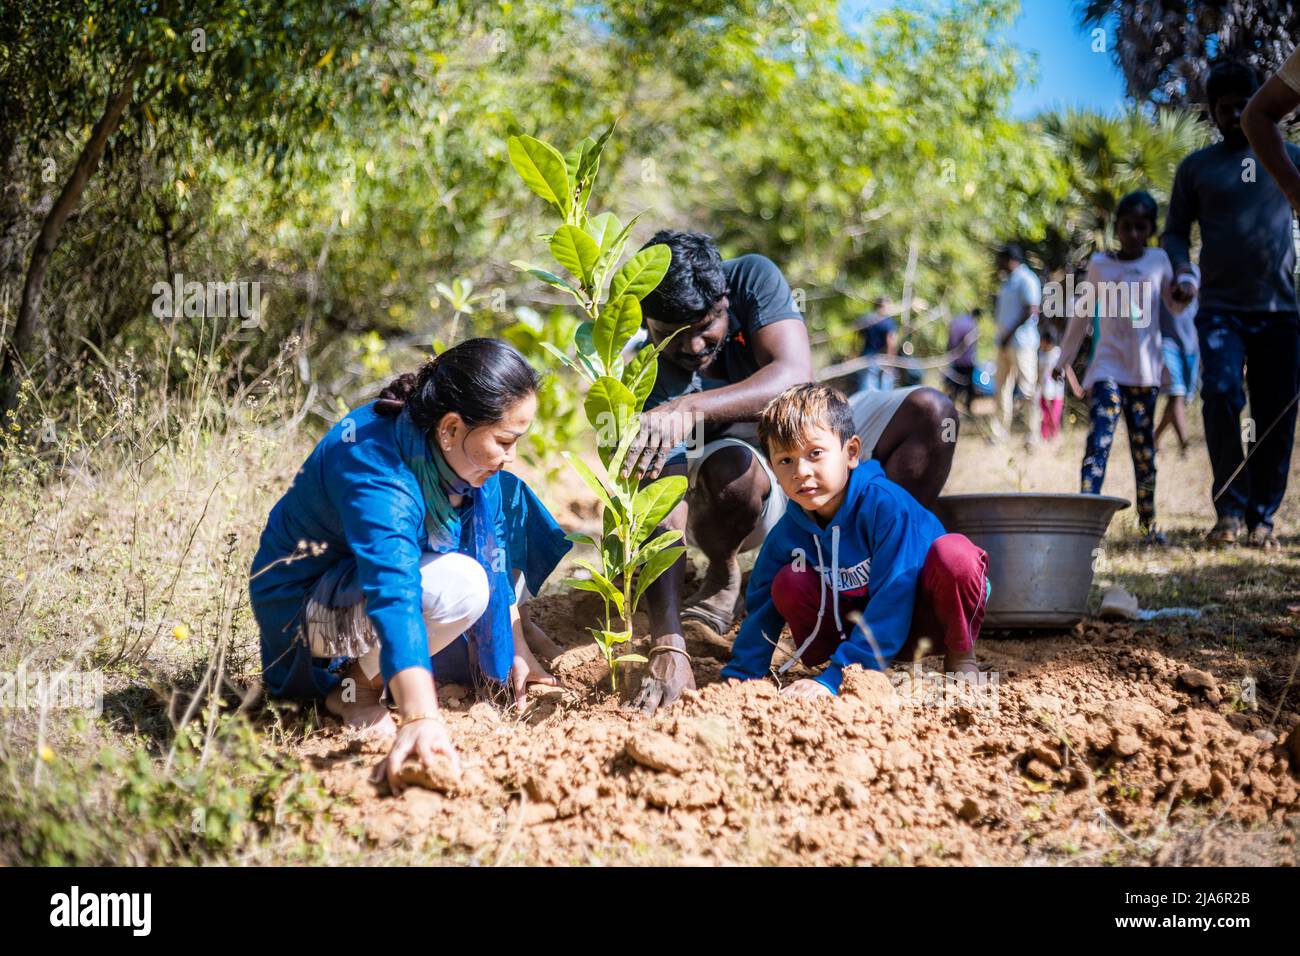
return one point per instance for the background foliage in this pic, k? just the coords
(351, 158)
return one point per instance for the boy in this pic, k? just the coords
(851, 542)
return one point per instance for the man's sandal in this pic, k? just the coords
(710, 618)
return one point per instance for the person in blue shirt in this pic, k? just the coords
(392, 542)
(878, 334)
(856, 567)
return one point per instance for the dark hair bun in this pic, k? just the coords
(392, 399)
(479, 380)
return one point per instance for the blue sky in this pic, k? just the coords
(1069, 73)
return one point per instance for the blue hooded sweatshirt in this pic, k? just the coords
(355, 495)
(877, 540)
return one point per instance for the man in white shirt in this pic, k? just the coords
(1017, 339)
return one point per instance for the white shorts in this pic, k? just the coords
(773, 504)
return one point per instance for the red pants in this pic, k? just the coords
(949, 607)
(1051, 426)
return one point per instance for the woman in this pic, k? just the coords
(392, 543)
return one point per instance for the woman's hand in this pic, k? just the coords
(428, 739)
(806, 689)
(526, 670)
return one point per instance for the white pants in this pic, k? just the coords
(1017, 365)
(454, 595)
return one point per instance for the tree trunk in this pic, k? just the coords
(47, 240)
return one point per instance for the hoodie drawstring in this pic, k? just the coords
(835, 576)
(821, 591)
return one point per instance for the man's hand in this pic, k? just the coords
(668, 675)
(663, 428)
(1184, 292)
(806, 689)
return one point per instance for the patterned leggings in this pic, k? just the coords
(1139, 406)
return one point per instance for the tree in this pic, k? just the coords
(150, 65)
(1164, 47)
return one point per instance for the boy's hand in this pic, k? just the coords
(806, 689)
(1185, 291)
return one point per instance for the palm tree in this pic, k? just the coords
(1164, 47)
(1104, 157)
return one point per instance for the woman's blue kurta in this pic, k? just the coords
(356, 497)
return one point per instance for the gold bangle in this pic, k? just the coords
(414, 717)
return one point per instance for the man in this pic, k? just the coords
(963, 341)
(742, 342)
(1017, 340)
(879, 337)
(1247, 320)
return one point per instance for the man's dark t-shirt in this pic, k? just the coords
(758, 296)
(1247, 250)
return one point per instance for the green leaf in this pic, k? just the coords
(592, 370)
(642, 273)
(609, 254)
(582, 338)
(653, 547)
(617, 323)
(630, 430)
(609, 405)
(594, 483)
(612, 549)
(543, 170)
(590, 376)
(654, 502)
(640, 374)
(576, 251)
(603, 228)
(656, 566)
(577, 537)
(591, 153)
(608, 639)
(605, 584)
(573, 161)
(585, 584)
(630, 659)
(550, 278)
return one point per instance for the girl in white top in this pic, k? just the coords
(1121, 290)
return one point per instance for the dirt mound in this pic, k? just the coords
(1075, 747)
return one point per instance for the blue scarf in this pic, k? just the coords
(470, 530)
